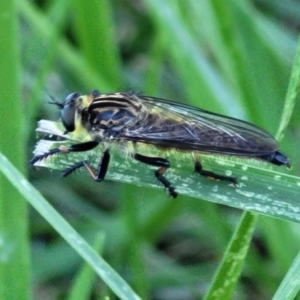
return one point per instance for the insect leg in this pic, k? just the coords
(73, 168)
(209, 174)
(164, 164)
(63, 149)
(101, 170)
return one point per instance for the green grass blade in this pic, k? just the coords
(14, 249)
(108, 275)
(95, 34)
(195, 70)
(262, 187)
(84, 281)
(291, 94)
(290, 285)
(230, 269)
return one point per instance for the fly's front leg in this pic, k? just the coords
(102, 166)
(209, 174)
(164, 164)
(101, 170)
(64, 149)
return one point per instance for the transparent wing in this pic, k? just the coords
(174, 125)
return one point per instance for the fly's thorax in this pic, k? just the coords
(85, 101)
(111, 114)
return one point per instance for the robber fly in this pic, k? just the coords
(130, 118)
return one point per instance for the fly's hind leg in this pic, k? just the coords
(209, 174)
(163, 165)
(101, 170)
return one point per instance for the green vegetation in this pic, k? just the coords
(232, 57)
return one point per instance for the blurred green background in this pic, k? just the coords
(232, 57)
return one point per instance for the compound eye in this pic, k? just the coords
(68, 111)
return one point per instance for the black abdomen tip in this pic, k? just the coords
(277, 158)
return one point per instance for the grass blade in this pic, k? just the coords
(291, 94)
(290, 285)
(229, 271)
(108, 275)
(84, 281)
(96, 37)
(14, 249)
(262, 187)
